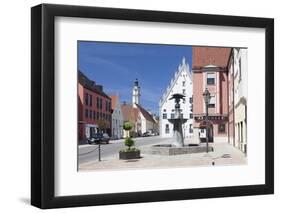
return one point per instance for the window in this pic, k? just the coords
(183, 83)
(164, 115)
(221, 128)
(86, 99)
(164, 110)
(98, 116)
(212, 103)
(167, 129)
(190, 100)
(183, 91)
(181, 115)
(86, 113)
(190, 115)
(98, 102)
(90, 114)
(108, 106)
(241, 131)
(172, 115)
(90, 98)
(240, 70)
(190, 128)
(211, 78)
(94, 115)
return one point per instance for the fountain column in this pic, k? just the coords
(177, 121)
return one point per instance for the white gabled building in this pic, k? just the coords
(180, 83)
(141, 119)
(116, 118)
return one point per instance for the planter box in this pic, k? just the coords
(129, 155)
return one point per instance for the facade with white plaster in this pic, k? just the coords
(240, 98)
(180, 83)
(116, 119)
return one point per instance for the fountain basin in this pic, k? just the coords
(170, 149)
(177, 120)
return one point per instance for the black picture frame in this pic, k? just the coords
(43, 105)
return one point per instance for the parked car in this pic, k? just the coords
(99, 138)
(146, 134)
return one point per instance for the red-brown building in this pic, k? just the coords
(94, 109)
(210, 70)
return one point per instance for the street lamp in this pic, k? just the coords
(207, 96)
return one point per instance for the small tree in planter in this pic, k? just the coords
(129, 142)
(127, 127)
(129, 153)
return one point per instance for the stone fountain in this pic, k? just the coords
(177, 121)
(177, 146)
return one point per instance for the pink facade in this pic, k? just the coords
(94, 110)
(210, 71)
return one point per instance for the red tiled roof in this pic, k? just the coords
(129, 112)
(146, 114)
(203, 56)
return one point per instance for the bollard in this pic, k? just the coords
(99, 153)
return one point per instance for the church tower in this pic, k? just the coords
(136, 93)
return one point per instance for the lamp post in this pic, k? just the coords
(207, 96)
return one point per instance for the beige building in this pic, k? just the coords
(240, 98)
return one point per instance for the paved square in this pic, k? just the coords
(223, 155)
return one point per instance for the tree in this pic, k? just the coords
(129, 142)
(127, 126)
(102, 125)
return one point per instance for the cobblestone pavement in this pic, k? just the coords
(224, 154)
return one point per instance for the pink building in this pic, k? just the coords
(94, 109)
(210, 70)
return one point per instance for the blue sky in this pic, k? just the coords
(117, 65)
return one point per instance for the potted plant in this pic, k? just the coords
(129, 152)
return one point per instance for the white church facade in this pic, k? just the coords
(141, 119)
(180, 83)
